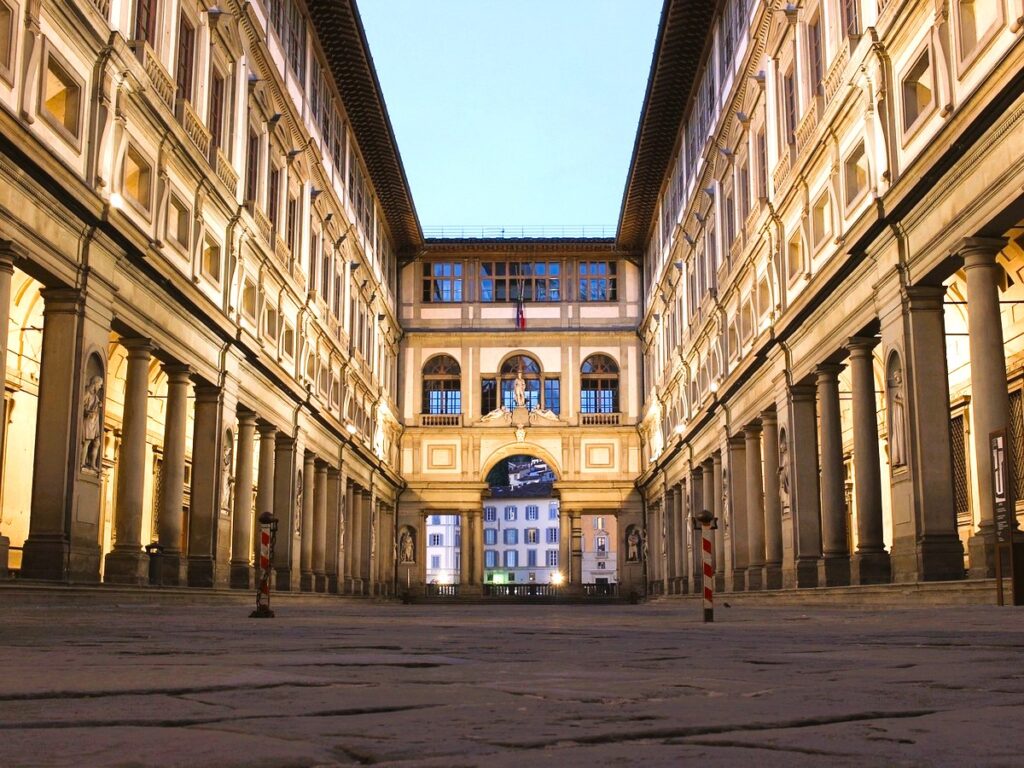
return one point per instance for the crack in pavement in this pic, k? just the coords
(682, 733)
(99, 694)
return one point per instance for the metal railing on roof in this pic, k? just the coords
(498, 232)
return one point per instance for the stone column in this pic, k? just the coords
(870, 564)
(349, 555)
(755, 507)
(319, 528)
(478, 547)
(285, 494)
(716, 508)
(565, 544)
(772, 502)
(990, 404)
(835, 564)
(736, 493)
(242, 517)
(306, 537)
(669, 506)
(681, 532)
(127, 564)
(806, 498)
(577, 547)
(333, 559)
(358, 544)
(206, 479)
(264, 479)
(373, 541)
(6, 273)
(698, 501)
(172, 489)
(465, 550)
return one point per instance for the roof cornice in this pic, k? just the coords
(679, 53)
(343, 38)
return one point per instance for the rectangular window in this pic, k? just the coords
(252, 162)
(531, 558)
(435, 562)
(442, 282)
(218, 89)
(532, 512)
(435, 520)
(851, 17)
(816, 55)
(551, 558)
(510, 513)
(551, 536)
(435, 540)
(510, 280)
(274, 198)
(553, 511)
(271, 323)
(179, 222)
(821, 220)
(601, 542)
(292, 224)
(146, 14)
(62, 98)
(490, 515)
(186, 57)
(511, 536)
(552, 394)
(917, 91)
(490, 536)
(532, 536)
(211, 260)
(7, 26)
(249, 299)
(137, 182)
(488, 396)
(762, 165)
(490, 558)
(977, 18)
(855, 175)
(598, 281)
(789, 105)
(511, 558)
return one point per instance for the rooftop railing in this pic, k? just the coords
(499, 232)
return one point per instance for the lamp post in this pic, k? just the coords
(268, 537)
(707, 523)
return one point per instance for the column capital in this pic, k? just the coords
(8, 255)
(61, 300)
(980, 251)
(137, 346)
(925, 297)
(697, 470)
(266, 429)
(802, 392)
(752, 430)
(861, 346)
(827, 372)
(707, 464)
(246, 417)
(769, 418)
(308, 458)
(736, 441)
(716, 459)
(333, 472)
(207, 393)
(177, 373)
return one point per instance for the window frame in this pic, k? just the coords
(145, 208)
(7, 66)
(72, 138)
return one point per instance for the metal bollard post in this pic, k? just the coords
(268, 537)
(707, 523)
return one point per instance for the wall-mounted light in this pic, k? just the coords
(273, 120)
(351, 428)
(116, 201)
(314, 193)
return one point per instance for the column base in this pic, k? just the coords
(739, 580)
(44, 558)
(684, 586)
(806, 573)
(834, 571)
(241, 576)
(871, 568)
(755, 578)
(332, 583)
(201, 572)
(320, 582)
(168, 569)
(282, 579)
(306, 582)
(981, 549)
(773, 576)
(940, 559)
(126, 566)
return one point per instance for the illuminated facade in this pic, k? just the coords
(222, 304)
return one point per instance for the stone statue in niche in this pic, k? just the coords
(519, 390)
(373, 535)
(92, 425)
(897, 415)
(783, 470)
(298, 502)
(407, 547)
(227, 472)
(633, 544)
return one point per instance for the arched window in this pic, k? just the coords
(510, 370)
(442, 385)
(599, 385)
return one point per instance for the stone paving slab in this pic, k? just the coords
(107, 680)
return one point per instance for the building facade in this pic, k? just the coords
(221, 303)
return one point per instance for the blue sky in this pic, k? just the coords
(514, 112)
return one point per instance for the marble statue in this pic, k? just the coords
(407, 547)
(92, 425)
(519, 391)
(897, 417)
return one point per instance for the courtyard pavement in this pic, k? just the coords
(95, 678)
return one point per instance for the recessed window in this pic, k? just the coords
(6, 40)
(62, 98)
(821, 220)
(855, 174)
(249, 299)
(211, 260)
(733, 339)
(271, 323)
(763, 298)
(288, 340)
(746, 323)
(815, 55)
(918, 94)
(137, 181)
(977, 18)
(179, 222)
(794, 258)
